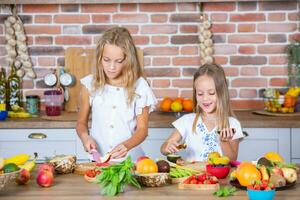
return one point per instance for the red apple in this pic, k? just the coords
(277, 170)
(141, 158)
(45, 178)
(23, 177)
(47, 167)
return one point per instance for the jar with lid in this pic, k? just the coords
(53, 102)
(32, 104)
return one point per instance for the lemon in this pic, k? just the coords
(176, 106)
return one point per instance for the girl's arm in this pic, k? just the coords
(230, 148)
(137, 138)
(82, 121)
(170, 145)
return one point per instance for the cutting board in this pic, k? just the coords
(80, 62)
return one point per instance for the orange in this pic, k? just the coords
(188, 105)
(176, 106)
(146, 166)
(273, 156)
(165, 104)
(179, 99)
(247, 173)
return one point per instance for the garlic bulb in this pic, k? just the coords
(205, 41)
(20, 73)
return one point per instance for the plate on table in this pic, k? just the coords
(236, 184)
(176, 114)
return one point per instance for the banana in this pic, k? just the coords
(29, 165)
(17, 159)
(21, 114)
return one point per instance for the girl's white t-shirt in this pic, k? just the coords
(202, 142)
(113, 120)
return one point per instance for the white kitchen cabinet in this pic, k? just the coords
(295, 144)
(262, 140)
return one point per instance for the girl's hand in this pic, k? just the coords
(226, 134)
(119, 151)
(89, 143)
(171, 147)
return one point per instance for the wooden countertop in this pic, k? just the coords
(72, 187)
(157, 120)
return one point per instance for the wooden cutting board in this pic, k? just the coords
(80, 62)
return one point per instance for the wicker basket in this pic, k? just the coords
(6, 177)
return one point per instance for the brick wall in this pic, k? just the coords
(250, 41)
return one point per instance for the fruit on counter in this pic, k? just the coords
(142, 158)
(90, 175)
(224, 160)
(10, 167)
(264, 172)
(1, 163)
(146, 166)
(277, 180)
(165, 104)
(46, 167)
(246, 173)
(188, 105)
(163, 166)
(289, 174)
(176, 106)
(264, 161)
(17, 108)
(29, 165)
(45, 176)
(201, 179)
(261, 185)
(17, 159)
(277, 170)
(19, 114)
(213, 154)
(23, 177)
(173, 157)
(232, 175)
(274, 157)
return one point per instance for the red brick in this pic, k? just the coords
(247, 49)
(247, 104)
(95, 29)
(73, 40)
(133, 29)
(248, 60)
(294, 37)
(278, 60)
(43, 40)
(246, 28)
(31, 8)
(3, 51)
(42, 30)
(159, 18)
(249, 38)
(294, 16)
(187, 61)
(161, 83)
(249, 71)
(232, 93)
(184, 39)
(187, 6)
(60, 61)
(157, 7)
(221, 60)
(186, 71)
(247, 6)
(220, 38)
(248, 93)
(27, 84)
(69, 8)
(271, 49)
(231, 71)
(249, 17)
(223, 28)
(159, 29)
(277, 5)
(188, 29)
(128, 7)
(161, 51)
(161, 61)
(218, 17)
(249, 82)
(71, 19)
(278, 82)
(165, 93)
(274, 38)
(274, 71)
(29, 40)
(99, 8)
(225, 49)
(276, 16)
(140, 40)
(160, 39)
(216, 6)
(43, 19)
(41, 72)
(130, 18)
(185, 18)
(162, 72)
(46, 61)
(147, 61)
(277, 27)
(186, 93)
(101, 18)
(189, 50)
(182, 83)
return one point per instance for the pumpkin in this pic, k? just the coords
(247, 173)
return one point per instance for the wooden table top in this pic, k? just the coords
(156, 120)
(72, 186)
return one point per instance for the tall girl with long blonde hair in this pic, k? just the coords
(118, 96)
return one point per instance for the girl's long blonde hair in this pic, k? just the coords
(121, 38)
(223, 109)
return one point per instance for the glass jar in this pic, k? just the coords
(53, 102)
(32, 104)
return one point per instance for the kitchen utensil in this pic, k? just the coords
(53, 102)
(67, 79)
(97, 157)
(50, 79)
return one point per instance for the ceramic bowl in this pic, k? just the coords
(261, 194)
(218, 171)
(3, 115)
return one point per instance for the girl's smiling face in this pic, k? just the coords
(113, 62)
(206, 94)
